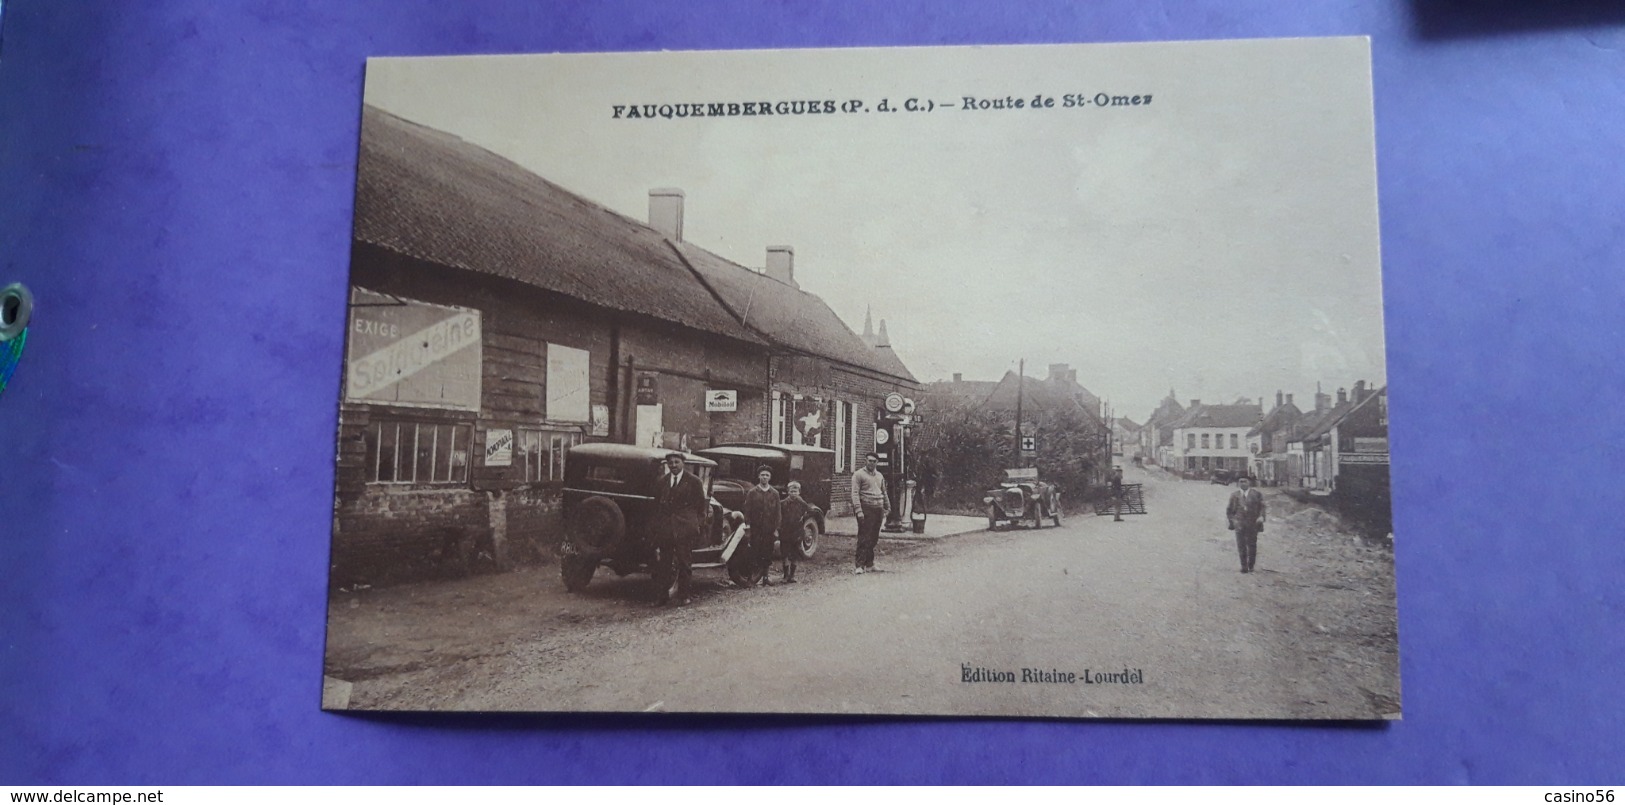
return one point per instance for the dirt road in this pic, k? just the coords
(1149, 617)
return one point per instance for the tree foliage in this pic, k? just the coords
(966, 449)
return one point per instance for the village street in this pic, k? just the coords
(1312, 633)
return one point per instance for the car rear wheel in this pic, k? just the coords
(809, 537)
(597, 526)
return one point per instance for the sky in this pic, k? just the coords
(1219, 241)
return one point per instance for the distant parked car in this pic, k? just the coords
(609, 510)
(1021, 497)
(1222, 477)
(813, 467)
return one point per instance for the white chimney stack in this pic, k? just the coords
(781, 265)
(666, 212)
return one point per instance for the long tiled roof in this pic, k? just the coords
(789, 316)
(433, 196)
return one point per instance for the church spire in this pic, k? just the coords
(868, 327)
(881, 339)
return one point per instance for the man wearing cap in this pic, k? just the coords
(679, 510)
(762, 515)
(870, 500)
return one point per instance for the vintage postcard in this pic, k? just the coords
(1019, 381)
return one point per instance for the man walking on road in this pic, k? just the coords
(870, 500)
(1246, 514)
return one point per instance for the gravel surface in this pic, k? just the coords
(1150, 617)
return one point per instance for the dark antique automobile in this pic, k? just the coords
(1022, 498)
(813, 467)
(609, 502)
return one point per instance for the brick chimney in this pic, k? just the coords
(781, 265)
(1289, 399)
(1359, 391)
(1195, 403)
(959, 377)
(1342, 396)
(1280, 399)
(666, 212)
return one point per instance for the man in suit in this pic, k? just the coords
(679, 511)
(1246, 515)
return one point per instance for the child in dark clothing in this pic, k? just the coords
(762, 513)
(793, 510)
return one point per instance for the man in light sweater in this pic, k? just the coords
(870, 501)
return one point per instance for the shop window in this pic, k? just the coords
(845, 436)
(417, 453)
(541, 453)
(799, 420)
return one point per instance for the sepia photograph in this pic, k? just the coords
(1025, 381)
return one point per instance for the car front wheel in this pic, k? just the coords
(744, 569)
(809, 537)
(577, 571)
(665, 574)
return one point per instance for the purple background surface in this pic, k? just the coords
(177, 181)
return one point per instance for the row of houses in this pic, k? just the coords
(497, 319)
(1341, 442)
(1339, 446)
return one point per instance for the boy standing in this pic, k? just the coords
(793, 510)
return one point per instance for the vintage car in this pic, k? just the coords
(813, 467)
(609, 507)
(1022, 498)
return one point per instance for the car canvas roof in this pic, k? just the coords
(627, 452)
(769, 449)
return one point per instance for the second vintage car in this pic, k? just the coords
(812, 467)
(1022, 498)
(609, 518)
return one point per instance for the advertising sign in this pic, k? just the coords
(721, 400)
(647, 392)
(405, 352)
(498, 447)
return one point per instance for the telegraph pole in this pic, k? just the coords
(1021, 382)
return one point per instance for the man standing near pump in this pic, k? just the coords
(870, 501)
